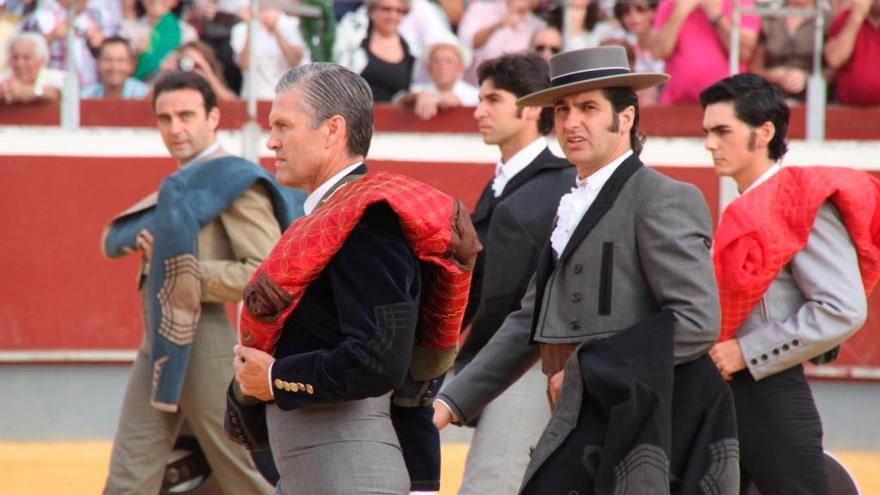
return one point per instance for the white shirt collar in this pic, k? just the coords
(504, 171)
(600, 177)
(312, 200)
(770, 172)
(205, 153)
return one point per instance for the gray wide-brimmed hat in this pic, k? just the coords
(587, 69)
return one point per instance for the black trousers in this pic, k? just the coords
(780, 434)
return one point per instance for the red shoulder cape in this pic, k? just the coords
(436, 226)
(761, 231)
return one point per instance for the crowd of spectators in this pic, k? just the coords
(422, 54)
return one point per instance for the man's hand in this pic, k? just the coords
(442, 415)
(144, 242)
(252, 371)
(269, 19)
(728, 357)
(555, 387)
(425, 106)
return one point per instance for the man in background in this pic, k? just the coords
(188, 273)
(115, 67)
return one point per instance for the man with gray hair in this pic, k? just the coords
(28, 79)
(352, 320)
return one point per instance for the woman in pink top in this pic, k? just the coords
(692, 36)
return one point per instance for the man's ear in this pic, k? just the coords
(214, 118)
(336, 131)
(764, 134)
(627, 117)
(531, 113)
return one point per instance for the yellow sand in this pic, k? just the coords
(79, 468)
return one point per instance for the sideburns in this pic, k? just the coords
(615, 122)
(753, 138)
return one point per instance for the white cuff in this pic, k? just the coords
(269, 377)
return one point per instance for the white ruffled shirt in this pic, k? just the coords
(504, 171)
(574, 205)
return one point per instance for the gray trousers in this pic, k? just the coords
(349, 448)
(508, 429)
(145, 435)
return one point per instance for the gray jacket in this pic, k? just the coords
(643, 246)
(814, 304)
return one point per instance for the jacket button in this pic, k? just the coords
(775, 352)
(784, 347)
(578, 268)
(763, 357)
(576, 297)
(754, 361)
(795, 342)
(575, 325)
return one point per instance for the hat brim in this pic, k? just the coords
(636, 81)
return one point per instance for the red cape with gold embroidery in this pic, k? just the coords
(761, 231)
(436, 226)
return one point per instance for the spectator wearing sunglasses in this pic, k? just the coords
(546, 42)
(636, 18)
(383, 58)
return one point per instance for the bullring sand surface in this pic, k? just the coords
(79, 468)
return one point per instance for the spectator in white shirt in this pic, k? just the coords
(446, 61)
(28, 79)
(279, 45)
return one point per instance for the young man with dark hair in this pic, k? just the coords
(197, 252)
(625, 288)
(800, 230)
(115, 67)
(513, 219)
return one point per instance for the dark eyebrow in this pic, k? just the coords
(720, 127)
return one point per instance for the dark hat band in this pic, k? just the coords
(587, 75)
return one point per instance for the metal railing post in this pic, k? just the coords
(70, 91)
(817, 97)
(250, 131)
(734, 38)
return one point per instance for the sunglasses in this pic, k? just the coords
(621, 9)
(543, 48)
(387, 9)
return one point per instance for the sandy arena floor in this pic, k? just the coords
(79, 468)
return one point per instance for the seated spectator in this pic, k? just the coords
(115, 67)
(199, 57)
(636, 17)
(692, 36)
(494, 27)
(383, 58)
(784, 55)
(28, 79)
(50, 19)
(154, 34)
(446, 61)
(584, 25)
(546, 42)
(853, 50)
(279, 46)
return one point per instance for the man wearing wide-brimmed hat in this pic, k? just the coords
(627, 272)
